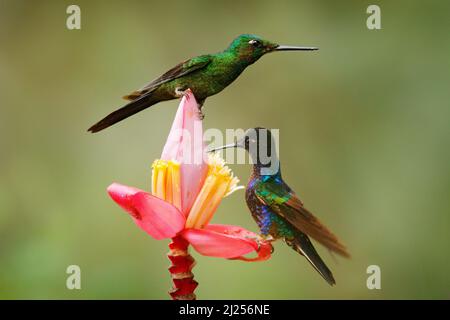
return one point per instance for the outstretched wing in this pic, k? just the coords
(282, 200)
(179, 70)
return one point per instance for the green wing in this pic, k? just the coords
(282, 200)
(179, 70)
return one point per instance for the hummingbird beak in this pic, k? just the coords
(294, 48)
(231, 145)
(237, 144)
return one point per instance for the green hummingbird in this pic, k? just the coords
(275, 207)
(205, 75)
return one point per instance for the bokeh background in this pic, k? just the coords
(365, 133)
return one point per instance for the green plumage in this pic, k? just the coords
(275, 207)
(205, 75)
(266, 196)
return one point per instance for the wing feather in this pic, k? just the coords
(179, 70)
(282, 200)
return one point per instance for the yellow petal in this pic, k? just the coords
(166, 181)
(174, 183)
(219, 183)
(198, 208)
(159, 174)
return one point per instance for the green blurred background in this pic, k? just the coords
(364, 141)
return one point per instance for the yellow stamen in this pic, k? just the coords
(159, 179)
(218, 184)
(166, 181)
(173, 183)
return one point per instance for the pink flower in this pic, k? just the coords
(187, 187)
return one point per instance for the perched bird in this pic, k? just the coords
(205, 75)
(279, 213)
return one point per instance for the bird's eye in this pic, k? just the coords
(255, 43)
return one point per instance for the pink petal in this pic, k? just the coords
(264, 252)
(155, 216)
(159, 219)
(225, 241)
(192, 179)
(185, 144)
(182, 128)
(123, 195)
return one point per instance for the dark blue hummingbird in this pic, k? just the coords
(279, 213)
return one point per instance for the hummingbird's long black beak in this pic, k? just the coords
(231, 145)
(294, 48)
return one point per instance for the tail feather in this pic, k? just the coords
(303, 245)
(126, 111)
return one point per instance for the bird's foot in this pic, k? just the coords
(182, 92)
(262, 238)
(201, 115)
(267, 237)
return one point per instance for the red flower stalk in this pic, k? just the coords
(187, 187)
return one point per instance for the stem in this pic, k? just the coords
(180, 270)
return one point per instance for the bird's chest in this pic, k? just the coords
(268, 221)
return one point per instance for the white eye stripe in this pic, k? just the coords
(255, 42)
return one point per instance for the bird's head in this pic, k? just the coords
(250, 47)
(260, 144)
